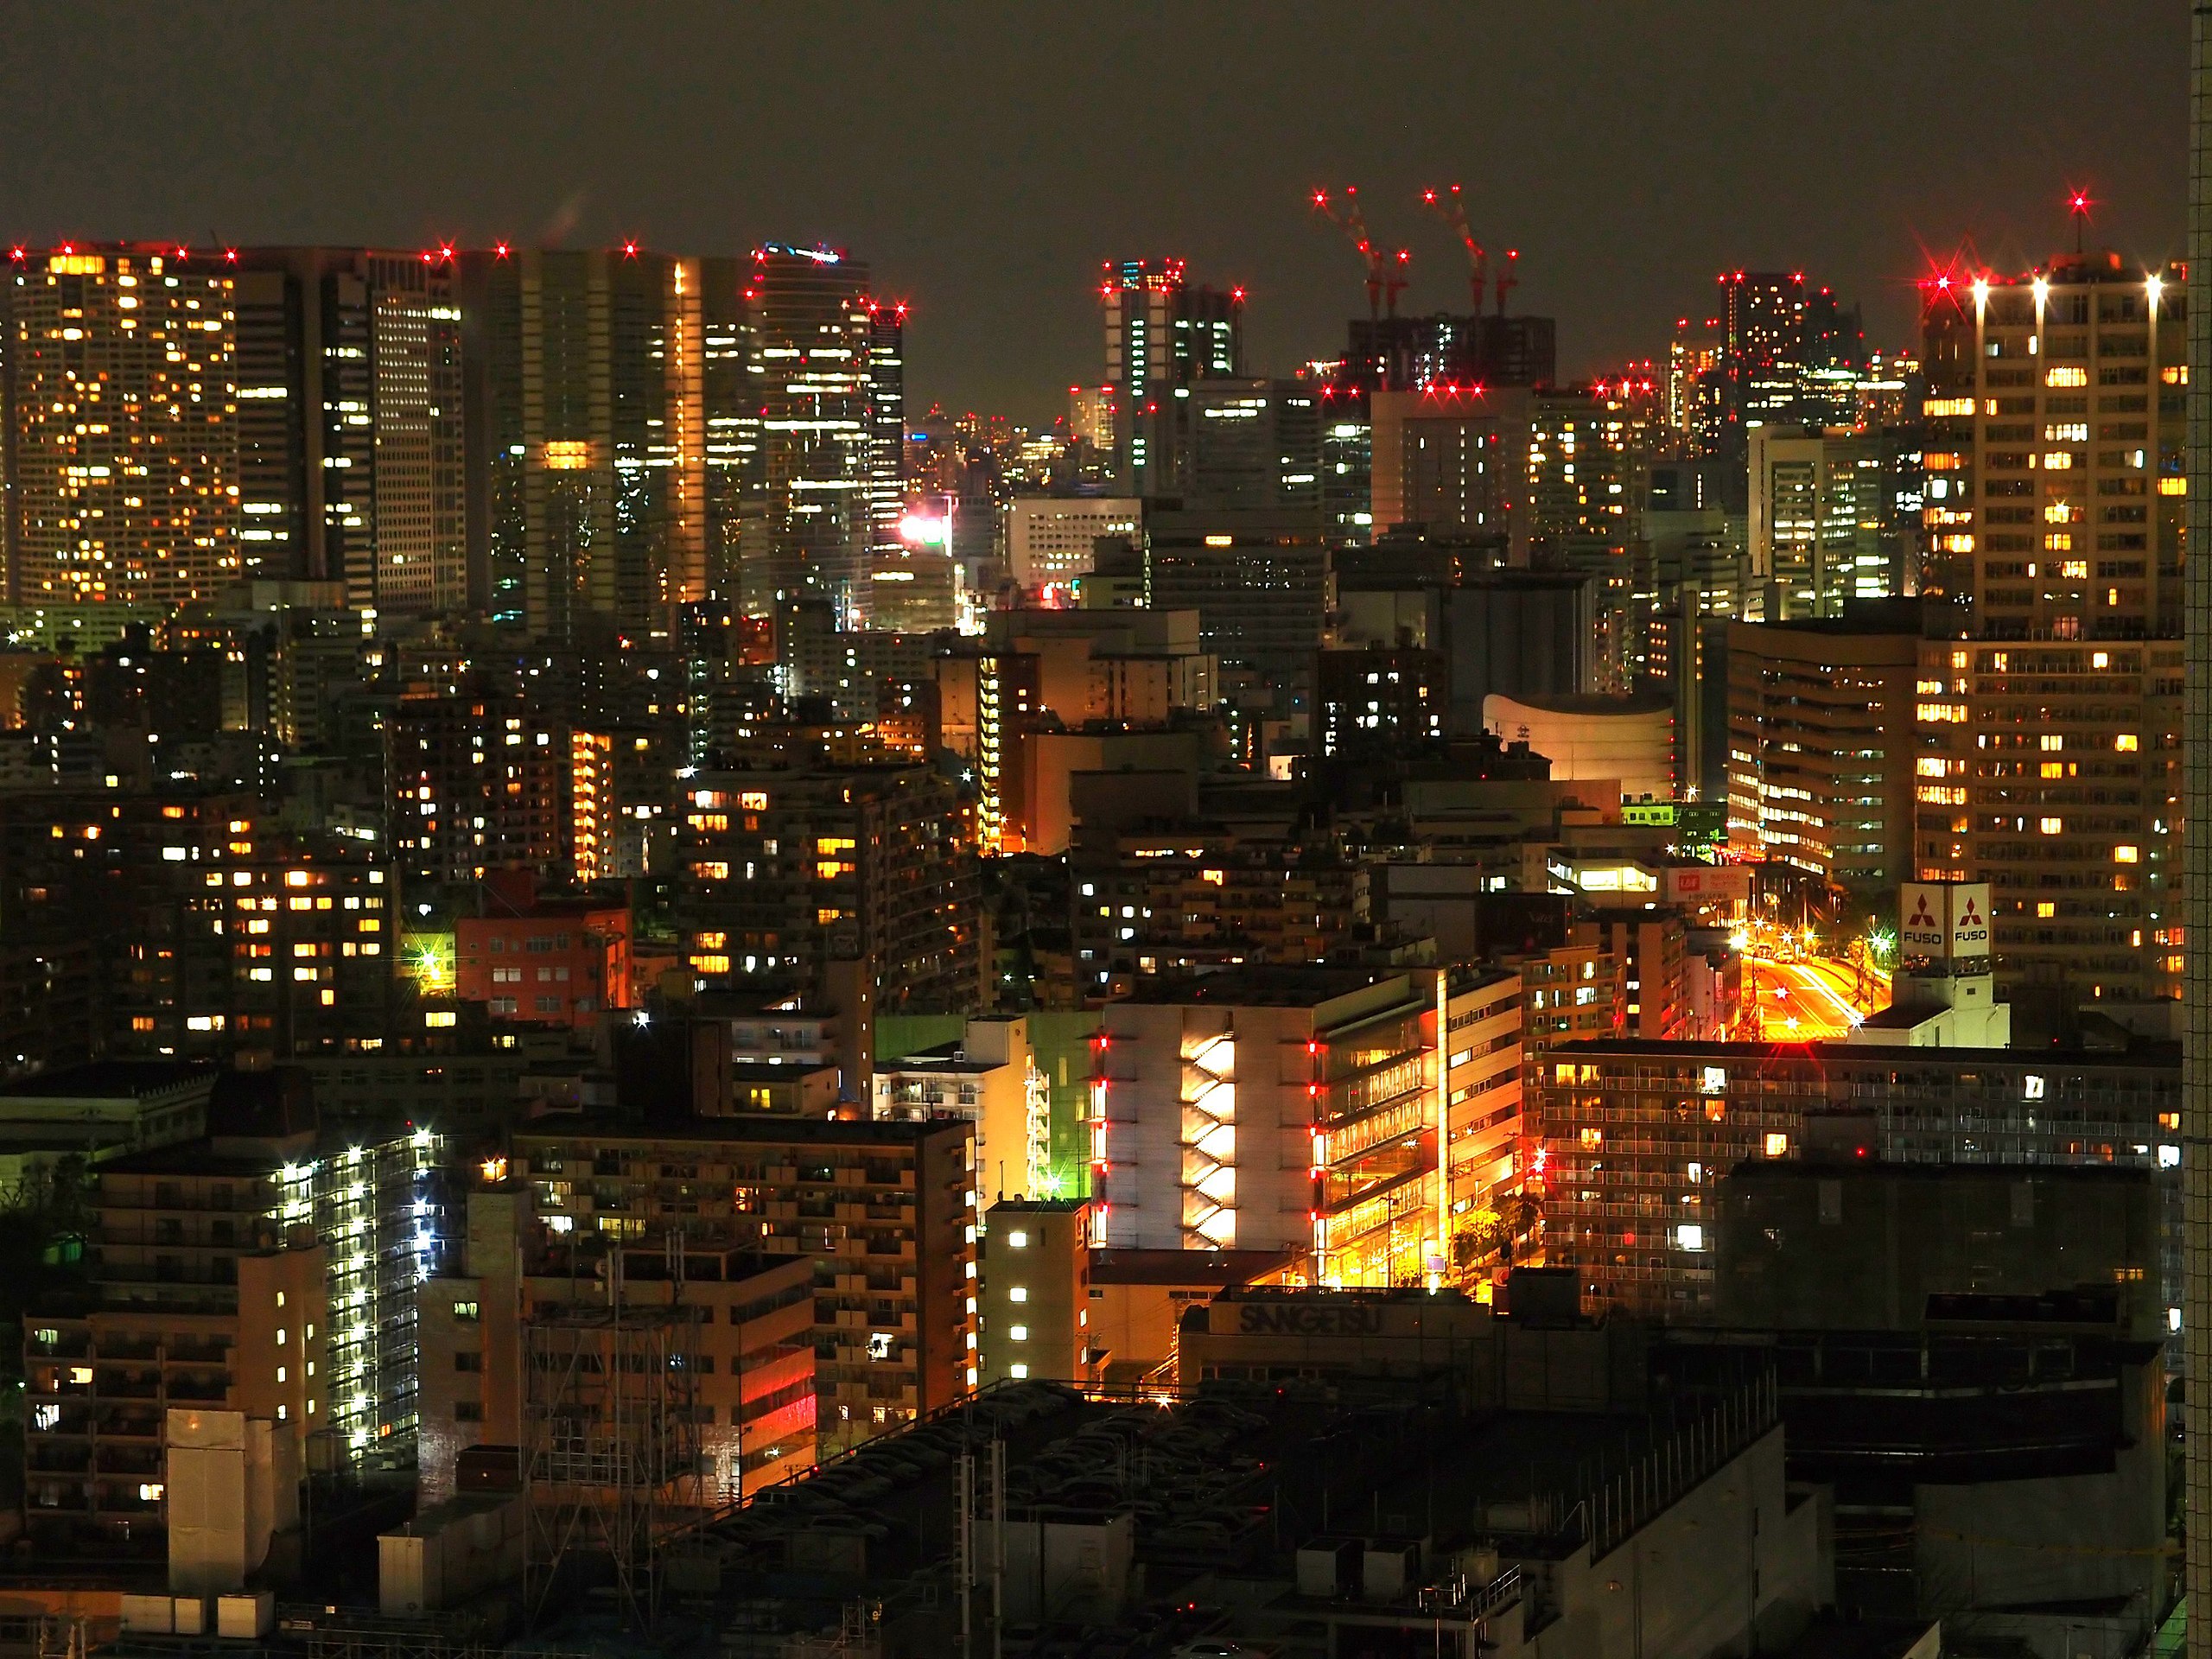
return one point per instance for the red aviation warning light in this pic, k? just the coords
(629, 249)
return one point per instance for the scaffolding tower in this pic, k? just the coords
(611, 1461)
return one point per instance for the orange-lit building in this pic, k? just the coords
(547, 961)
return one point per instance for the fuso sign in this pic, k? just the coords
(1946, 920)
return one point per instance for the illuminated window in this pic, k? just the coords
(2125, 855)
(1776, 1145)
(2125, 742)
(2052, 826)
(2045, 909)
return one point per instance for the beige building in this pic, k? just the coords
(2051, 718)
(883, 1213)
(1035, 1319)
(1049, 538)
(989, 1076)
(207, 1301)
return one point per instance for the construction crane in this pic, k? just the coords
(1507, 282)
(1386, 278)
(1448, 206)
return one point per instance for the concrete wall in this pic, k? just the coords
(1732, 1567)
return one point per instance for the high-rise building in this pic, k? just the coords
(1452, 460)
(349, 424)
(1051, 540)
(886, 418)
(812, 329)
(585, 376)
(122, 404)
(2052, 717)
(1788, 352)
(1258, 581)
(1162, 336)
(784, 873)
(1692, 400)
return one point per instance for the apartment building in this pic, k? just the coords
(746, 1352)
(886, 1212)
(2049, 702)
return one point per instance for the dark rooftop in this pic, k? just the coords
(768, 1127)
(109, 1079)
(1257, 985)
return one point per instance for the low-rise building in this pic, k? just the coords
(542, 959)
(1634, 1137)
(1035, 1319)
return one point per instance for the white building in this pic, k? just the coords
(1049, 538)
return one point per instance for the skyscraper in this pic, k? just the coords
(349, 424)
(2196, 1001)
(887, 420)
(810, 327)
(1161, 336)
(1789, 355)
(122, 404)
(588, 426)
(2052, 717)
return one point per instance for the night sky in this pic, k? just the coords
(986, 157)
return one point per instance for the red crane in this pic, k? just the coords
(1384, 282)
(1448, 208)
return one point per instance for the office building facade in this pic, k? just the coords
(350, 439)
(1822, 748)
(584, 378)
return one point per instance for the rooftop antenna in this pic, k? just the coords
(2078, 204)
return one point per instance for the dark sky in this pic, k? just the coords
(986, 156)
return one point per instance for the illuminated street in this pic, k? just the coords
(1816, 1000)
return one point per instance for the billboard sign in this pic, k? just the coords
(1947, 921)
(1924, 921)
(1708, 884)
(1969, 921)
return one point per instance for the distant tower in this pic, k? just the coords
(1161, 335)
(810, 327)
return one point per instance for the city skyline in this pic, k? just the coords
(486, 131)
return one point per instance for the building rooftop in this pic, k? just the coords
(2146, 1057)
(109, 1079)
(1258, 985)
(1222, 1268)
(1019, 1206)
(828, 1132)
